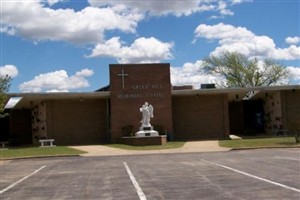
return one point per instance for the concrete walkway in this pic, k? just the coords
(189, 147)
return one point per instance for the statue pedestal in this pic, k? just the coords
(144, 141)
(144, 137)
(146, 132)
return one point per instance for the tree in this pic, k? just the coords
(4, 87)
(240, 71)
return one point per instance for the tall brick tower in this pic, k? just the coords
(131, 85)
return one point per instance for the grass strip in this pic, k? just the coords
(169, 145)
(260, 142)
(23, 152)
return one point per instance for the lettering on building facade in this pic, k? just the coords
(142, 91)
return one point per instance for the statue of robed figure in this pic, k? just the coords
(147, 113)
(146, 130)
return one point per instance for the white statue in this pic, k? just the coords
(146, 130)
(147, 111)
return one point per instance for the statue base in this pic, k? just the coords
(147, 131)
(144, 141)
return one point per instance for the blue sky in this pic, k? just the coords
(65, 45)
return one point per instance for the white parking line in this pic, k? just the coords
(287, 158)
(19, 181)
(252, 176)
(138, 189)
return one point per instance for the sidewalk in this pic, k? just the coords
(189, 147)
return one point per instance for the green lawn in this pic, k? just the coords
(23, 152)
(169, 145)
(37, 152)
(260, 142)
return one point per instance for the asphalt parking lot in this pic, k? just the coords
(245, 174)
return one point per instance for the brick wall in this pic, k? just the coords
(77, 122)
(200, 117)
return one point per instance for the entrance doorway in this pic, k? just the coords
(20, 131)
(246, 117)
(4, 129)
(253, 116)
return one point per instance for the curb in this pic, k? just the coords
(271, 147)
(38, 157)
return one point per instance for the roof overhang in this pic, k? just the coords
(235, 93)
(30, 99)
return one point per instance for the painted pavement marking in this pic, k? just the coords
(138, 189)
(287, 158)
(19, 181)
(253, 176)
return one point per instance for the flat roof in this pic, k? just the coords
(28, 99)
(233, 90)
(62, 95)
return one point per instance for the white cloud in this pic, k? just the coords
(294, 75)
(290, 53)
(240, 1)
(57, 81)
(240, 39)
(236, 1)
(292, 40)
(222, 7)
(193, 74)
(171, 7)
(52, 2)
(142, 50)
(9, 70)
(8, 30)
(31, 20)
(84, 73)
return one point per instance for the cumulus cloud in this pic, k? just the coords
(223, 8)
(292, 40)
(171, 7)
(52, 2)
(57, 81)
(142, 50)
(39, 21)
(9, 70)
(193, 74)
(239, 1)
(294, 75)
(31, 20)
(240, 39)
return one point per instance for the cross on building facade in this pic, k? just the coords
(122, 75)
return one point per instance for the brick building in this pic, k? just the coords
(183, 113)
